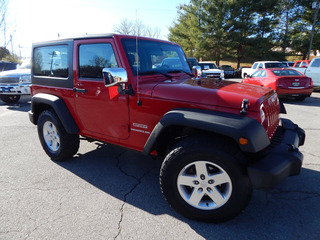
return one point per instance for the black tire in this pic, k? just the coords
(10, 98)
(301, 98)
(57, 143)
(223, 187)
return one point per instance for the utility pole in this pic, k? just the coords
(316, 6)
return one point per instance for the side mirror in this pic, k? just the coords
(114, 76)
(196, 71)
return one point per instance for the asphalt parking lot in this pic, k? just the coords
(107, 192)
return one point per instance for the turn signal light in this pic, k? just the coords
(243, 141)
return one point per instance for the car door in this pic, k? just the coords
(255, 77)
(313, 71)
(262, 78)
(102, 111)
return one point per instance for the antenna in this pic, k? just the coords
(139, 103)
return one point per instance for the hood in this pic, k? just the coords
(211, 92)
(16, 72)
(212, 71)
(13, 76)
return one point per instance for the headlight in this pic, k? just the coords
(25, 79)
(263, 117)
(262, 114)
(222, 74)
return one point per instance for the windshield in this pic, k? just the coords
(226, 67)
(205, 66)
(286, 72)
(155, 57)
(275, 65)
(4, 66)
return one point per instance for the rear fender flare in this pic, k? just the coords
(58, 105)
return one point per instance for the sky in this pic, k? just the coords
(39, 20)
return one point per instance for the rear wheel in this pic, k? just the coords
(204, 180)
(10, 98)
(57, 143)
(301, 98)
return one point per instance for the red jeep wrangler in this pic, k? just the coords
(218, 139)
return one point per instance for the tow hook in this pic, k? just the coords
(244, 106)
(291, 148)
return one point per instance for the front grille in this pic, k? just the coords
(272, 110)
(5, 80)
(277, 138)
(212, 74)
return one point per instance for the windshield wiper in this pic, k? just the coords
(181, 71)
(156, 72)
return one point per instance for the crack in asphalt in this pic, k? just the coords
(302, 195)
(276, 193)
(47, 220)
(139, 179)
(27, 236)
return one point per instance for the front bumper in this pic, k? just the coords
(282, 160)
(15, 89)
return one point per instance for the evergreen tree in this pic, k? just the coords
(188, 31)
(254, 29)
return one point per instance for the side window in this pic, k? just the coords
(260, 65)
(256, 74)
(263, 74)
(255, 66)
(303, 64)
(93, 58)
(51, 61)
(316, 63)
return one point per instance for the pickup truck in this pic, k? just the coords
(14, 83)
(312, 71)
(210, 70)
(216, 139)
(301, 63)
(260, 65)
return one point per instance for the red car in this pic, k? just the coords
(285, 81)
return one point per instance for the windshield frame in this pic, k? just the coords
(151, 56)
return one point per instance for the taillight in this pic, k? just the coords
(281, 83)
(309, 83)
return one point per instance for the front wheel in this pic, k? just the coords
(57, 143)
(204, 181)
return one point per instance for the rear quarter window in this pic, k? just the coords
(51, 61)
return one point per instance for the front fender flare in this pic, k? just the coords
(227, 124)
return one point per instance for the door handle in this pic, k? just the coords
(80, 90)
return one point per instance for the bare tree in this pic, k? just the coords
(127, 27)
(3, 14)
